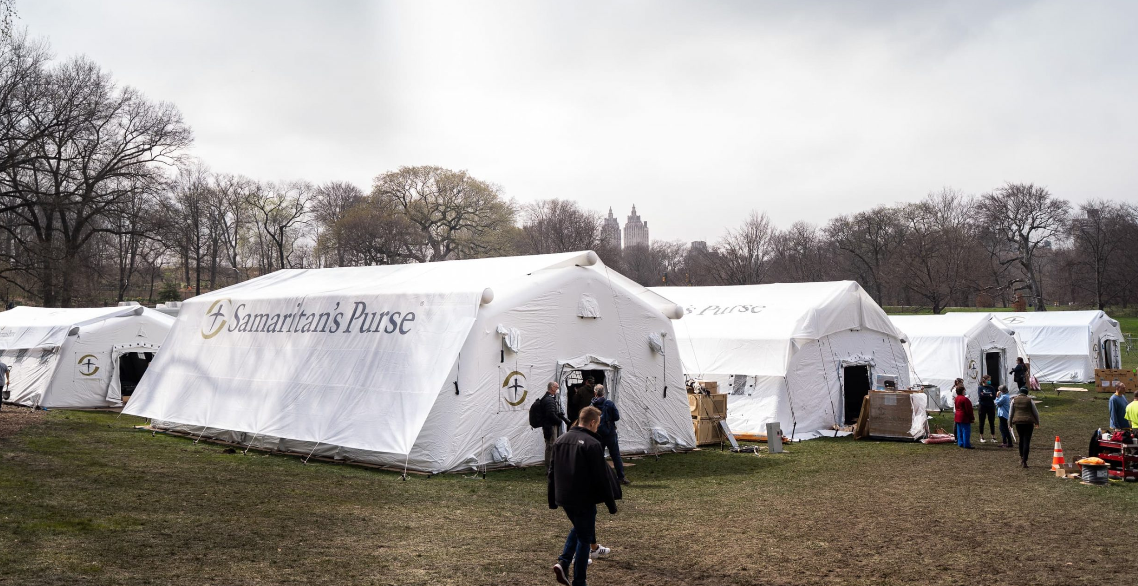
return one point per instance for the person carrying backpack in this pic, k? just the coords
(547, 414)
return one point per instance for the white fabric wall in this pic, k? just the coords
(459, 431)
(79, 372)
(809, 398)
(1062, 346)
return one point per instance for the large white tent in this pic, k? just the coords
(78, 357)
(432, 367)
(943, 348)
(802, 354)
(1066, 346)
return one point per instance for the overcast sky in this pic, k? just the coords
(697, 112)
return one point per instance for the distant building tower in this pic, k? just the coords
(635, 231)
(699, 246)
(610, 232)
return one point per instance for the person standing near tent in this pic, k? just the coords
(552, 418)
(607, 430)
(964, 417)
(987, 394)
(4, 370)
(579, 478)
(1118, 408)
(580, 396)
(1132, 411)
(1019, 373)
(1003, 408)
(1025, 417)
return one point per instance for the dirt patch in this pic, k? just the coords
(13, 418)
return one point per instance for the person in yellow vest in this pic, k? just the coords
(1132, 411)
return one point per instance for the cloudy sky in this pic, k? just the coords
(697, 112)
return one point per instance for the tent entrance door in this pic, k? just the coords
(993, 366)
(575, 396)
(1109, 349)
(132, 365)
(856, 385)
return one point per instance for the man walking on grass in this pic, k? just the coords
(579, 478)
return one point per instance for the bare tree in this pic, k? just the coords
(802, 254)
(557, 225)
(1100, 234)
(939, 254)
(372, 232)
(332, 203)
(280, 211)
(112, 145)
(457, 216)
(743, 256)
(868, 240)
(1027, 217)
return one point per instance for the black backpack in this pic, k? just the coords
(536, 414)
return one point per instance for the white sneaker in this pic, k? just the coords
(982, 440)
(600, 552)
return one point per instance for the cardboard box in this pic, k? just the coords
(708, 431)
(890, 414)
(707, 406)
(1106, 379)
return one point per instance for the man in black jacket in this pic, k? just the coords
(579, 478)
(552, 417)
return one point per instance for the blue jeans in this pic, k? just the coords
(964, 435)
(578, 544)
(610, 442)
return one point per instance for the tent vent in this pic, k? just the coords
(587, 306)
(656, 342)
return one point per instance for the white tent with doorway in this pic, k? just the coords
(430, 367)
(802, 354)
(78, 357)
(943, 348)
(1066, 346)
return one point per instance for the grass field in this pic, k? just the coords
(88, 499)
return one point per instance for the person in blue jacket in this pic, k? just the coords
(1118, 408)
(607, 430)
(1003, 408)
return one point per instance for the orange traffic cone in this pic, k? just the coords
(1057, 460)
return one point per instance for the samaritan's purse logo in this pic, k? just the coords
(214, 320)
(88, 365)
(1015, 319)
(515, 387)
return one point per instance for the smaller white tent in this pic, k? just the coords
(943, 348)
(1066, 346)
(801, 354)
(78, 357)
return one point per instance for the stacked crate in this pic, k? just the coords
(707, 410)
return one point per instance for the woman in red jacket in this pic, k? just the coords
(964, 417)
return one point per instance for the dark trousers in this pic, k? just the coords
(1023, 430)
(551, 434)
(610, 441)
(1005, 432)
(989, 413)
(578, 543)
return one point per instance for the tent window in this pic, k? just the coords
(856, 384)
(132, 365)
(993, 366)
